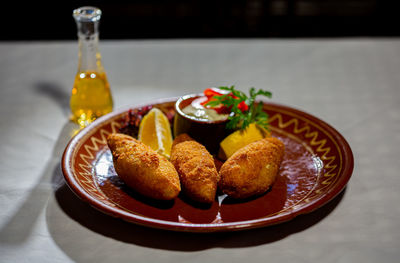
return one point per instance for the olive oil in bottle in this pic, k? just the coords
(91, 95)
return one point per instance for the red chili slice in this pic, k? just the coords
(211, 92)
(243, 106)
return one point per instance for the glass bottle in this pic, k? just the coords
(91, 95)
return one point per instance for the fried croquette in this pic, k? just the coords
(196, 169)
(252, 169)
(142, 169)
(181, 138)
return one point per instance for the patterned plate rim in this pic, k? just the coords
(343, 178)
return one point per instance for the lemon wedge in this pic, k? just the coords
(241, 138)
(155, 131)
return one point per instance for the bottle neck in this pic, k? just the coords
(87, 20)
(89, 55)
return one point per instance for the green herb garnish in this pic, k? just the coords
(244, 108)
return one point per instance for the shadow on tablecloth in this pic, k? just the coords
(120, 230)
(18, 228)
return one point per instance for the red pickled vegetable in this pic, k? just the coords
(211, 92)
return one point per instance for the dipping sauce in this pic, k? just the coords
(205, 125)
(198, 111)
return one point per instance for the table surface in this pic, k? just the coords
(353, 84)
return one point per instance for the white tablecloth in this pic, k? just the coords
(353, 84)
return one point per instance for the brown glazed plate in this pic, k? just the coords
(317, 165)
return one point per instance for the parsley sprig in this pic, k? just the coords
(241, 119)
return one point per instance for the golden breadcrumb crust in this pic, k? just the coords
(252, 169)
(196, 169)
(142, 168)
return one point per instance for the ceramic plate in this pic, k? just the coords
(317, 165)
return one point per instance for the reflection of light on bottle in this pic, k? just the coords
(91, 96)
(75, 131)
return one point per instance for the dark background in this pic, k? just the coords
(141, 19)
